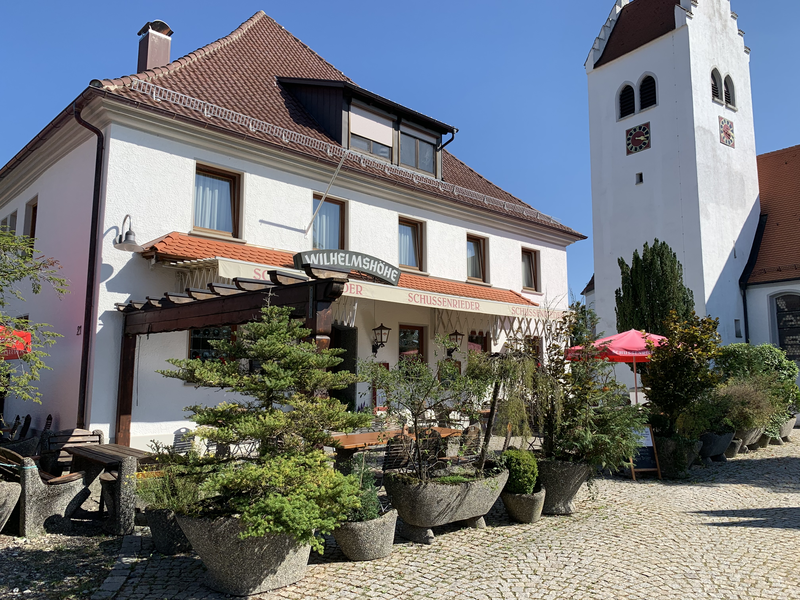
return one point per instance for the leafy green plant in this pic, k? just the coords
(522, 471)
(285, 485)
(21, 263)
(750, 402)
(369, 507)
(710, 413)
(680, 373)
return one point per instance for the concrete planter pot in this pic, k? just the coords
(168, 537)
(787, 429)
(714, 446)
(367, 540)
(524, 508)
(733, 448)
(562, 480)
(423, 505)
(749, 438)
(675, 456)
(244, 567)
(9, 495)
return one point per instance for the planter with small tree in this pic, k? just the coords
(266, 491)
(522, 497)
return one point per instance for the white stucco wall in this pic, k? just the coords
(697, 195)
(761, 309)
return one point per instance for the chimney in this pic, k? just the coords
(153, 45)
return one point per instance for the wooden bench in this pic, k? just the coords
(43, 496)
(54, 458)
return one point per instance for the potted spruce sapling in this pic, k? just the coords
(434, 492)
(521, 496)
(368, 532)
(268, 489)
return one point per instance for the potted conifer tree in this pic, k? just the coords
(523, 499)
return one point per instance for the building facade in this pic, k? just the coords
(253, 155)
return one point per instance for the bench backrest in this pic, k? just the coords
(10, 463)
(54, 442)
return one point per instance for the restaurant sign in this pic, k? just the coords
(354, 261)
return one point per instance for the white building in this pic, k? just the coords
(673, 150)
(221, 158)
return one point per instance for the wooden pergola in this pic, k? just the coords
(221, 305)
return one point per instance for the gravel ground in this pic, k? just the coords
(61, 566)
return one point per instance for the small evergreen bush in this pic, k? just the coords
(750, 402)
(522, 471)
(369, 507)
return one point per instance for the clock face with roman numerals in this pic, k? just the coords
(637, 138)
(726, 136)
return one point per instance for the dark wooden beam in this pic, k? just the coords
(127, 369)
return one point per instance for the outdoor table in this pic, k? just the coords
(93, 459)
(348, 444)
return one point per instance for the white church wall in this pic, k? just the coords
(761, 309)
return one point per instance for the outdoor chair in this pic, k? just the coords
(398, 455)
(14, 428)
(26, 425)
(44, 501)
(54, 459)
(470, 443)
(22, 445)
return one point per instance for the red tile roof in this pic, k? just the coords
(180, 246)
(639, 23)
(239, 71)
(779, 183)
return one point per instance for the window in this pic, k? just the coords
(216, 206)
(647, 93)
(716, 85)
(476, 259)
(329, 225)
(530, 271)
(410, 250)
(371, 132)
(10, 223)
(627, 102)
(416, 153)
(787, 312)
(200, 341)
(730, 93)
(412, 342)
(737, 327)
(639, 178)
(31, 211)
(478, 341)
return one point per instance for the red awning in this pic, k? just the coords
(629, 347)
(14, 344)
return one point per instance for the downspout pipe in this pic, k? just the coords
(91, 272)
(452, 137)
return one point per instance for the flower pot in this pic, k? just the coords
(733, 448)
(749, 438)
(168, 537)
(714, 446)
(788, 428)
(423, 505)
(9, 495)
(676, 455)
(243, 567)
(562, 480)
(367, 540)
(524, 508)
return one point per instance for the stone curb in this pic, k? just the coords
(128, 555)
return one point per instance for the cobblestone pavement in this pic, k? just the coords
(731, 531)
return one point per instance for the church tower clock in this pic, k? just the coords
(673, 150)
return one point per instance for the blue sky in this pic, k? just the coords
(508, 74)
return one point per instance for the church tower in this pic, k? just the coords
(673, 149)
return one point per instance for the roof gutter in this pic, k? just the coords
(748, 270)
(91, 274)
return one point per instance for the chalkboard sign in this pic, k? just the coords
(646, 457)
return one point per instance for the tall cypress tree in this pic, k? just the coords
(652, 286)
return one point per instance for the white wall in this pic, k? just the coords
(698, 195)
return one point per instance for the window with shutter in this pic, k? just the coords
(627, 102)
(647, 92)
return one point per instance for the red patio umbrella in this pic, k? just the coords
(13, 343)
(628, 347)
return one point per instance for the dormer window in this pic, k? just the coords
(417, 149)
(371, 132)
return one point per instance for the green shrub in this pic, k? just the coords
(750, 402)
(710, 413)
(369, 507)
(522, 471)
(168, 489)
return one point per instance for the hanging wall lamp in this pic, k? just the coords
(380, 335)
(128, 241)
(456, 338)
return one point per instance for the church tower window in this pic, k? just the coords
(627, 102)
(716, 85)
(730, 93)
(647, 92)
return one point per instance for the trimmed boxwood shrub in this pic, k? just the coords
(522, 471)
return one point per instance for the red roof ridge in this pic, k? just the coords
(780, 151)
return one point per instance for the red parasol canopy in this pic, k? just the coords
(13, 343)
(629, 346)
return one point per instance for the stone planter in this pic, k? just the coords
(787, 429)
(367, 540)
(243, 567)
(733, 448)
(749, 438)
(562, 480)
(714, 447)
(524, 508)
(9, 495)
(423, 505)
(168, 537)
(763, 441)
(676, 456)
